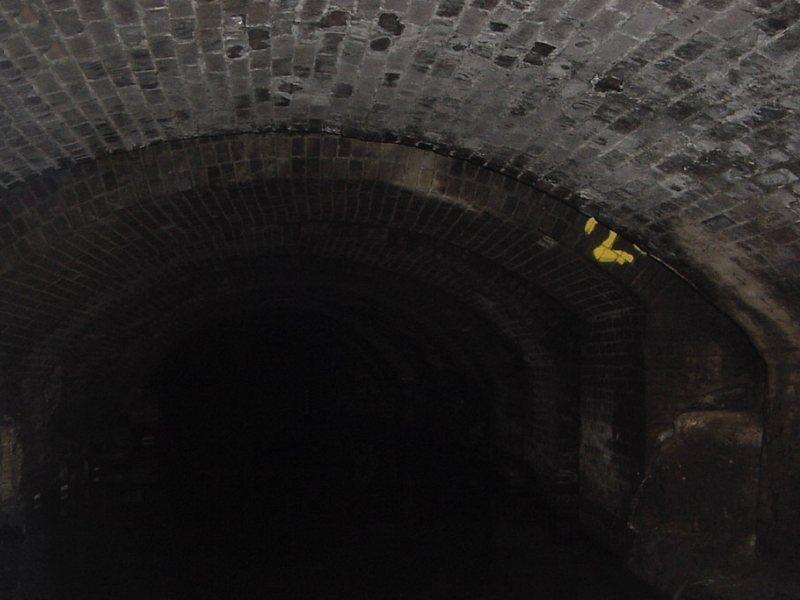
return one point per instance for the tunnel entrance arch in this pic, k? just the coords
(112, 245)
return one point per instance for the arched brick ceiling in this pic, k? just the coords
(672, 120)
(125, 251)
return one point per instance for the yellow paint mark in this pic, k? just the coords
(605, 252)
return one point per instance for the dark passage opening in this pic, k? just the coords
(308, 470)
(317, 445)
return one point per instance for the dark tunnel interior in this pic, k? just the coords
(312, 440)
(345, 389)
(399, 299)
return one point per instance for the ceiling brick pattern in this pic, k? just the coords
(93, 235)
(674, 121)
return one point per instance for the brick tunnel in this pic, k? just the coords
(399, 299)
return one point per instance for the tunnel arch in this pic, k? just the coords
(671, 121)
(99, 242)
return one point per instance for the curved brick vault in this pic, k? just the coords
(592, 348)
(466, 144)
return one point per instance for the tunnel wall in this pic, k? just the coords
(11, 459)
(612, 418)
(697, 361)
(79, 240)
(779, 514)
(696, 511)
(221, 160)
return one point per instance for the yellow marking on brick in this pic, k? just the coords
(605, 252)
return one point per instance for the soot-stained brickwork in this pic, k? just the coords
(104, 264)
(673, 121)
(318, 196)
